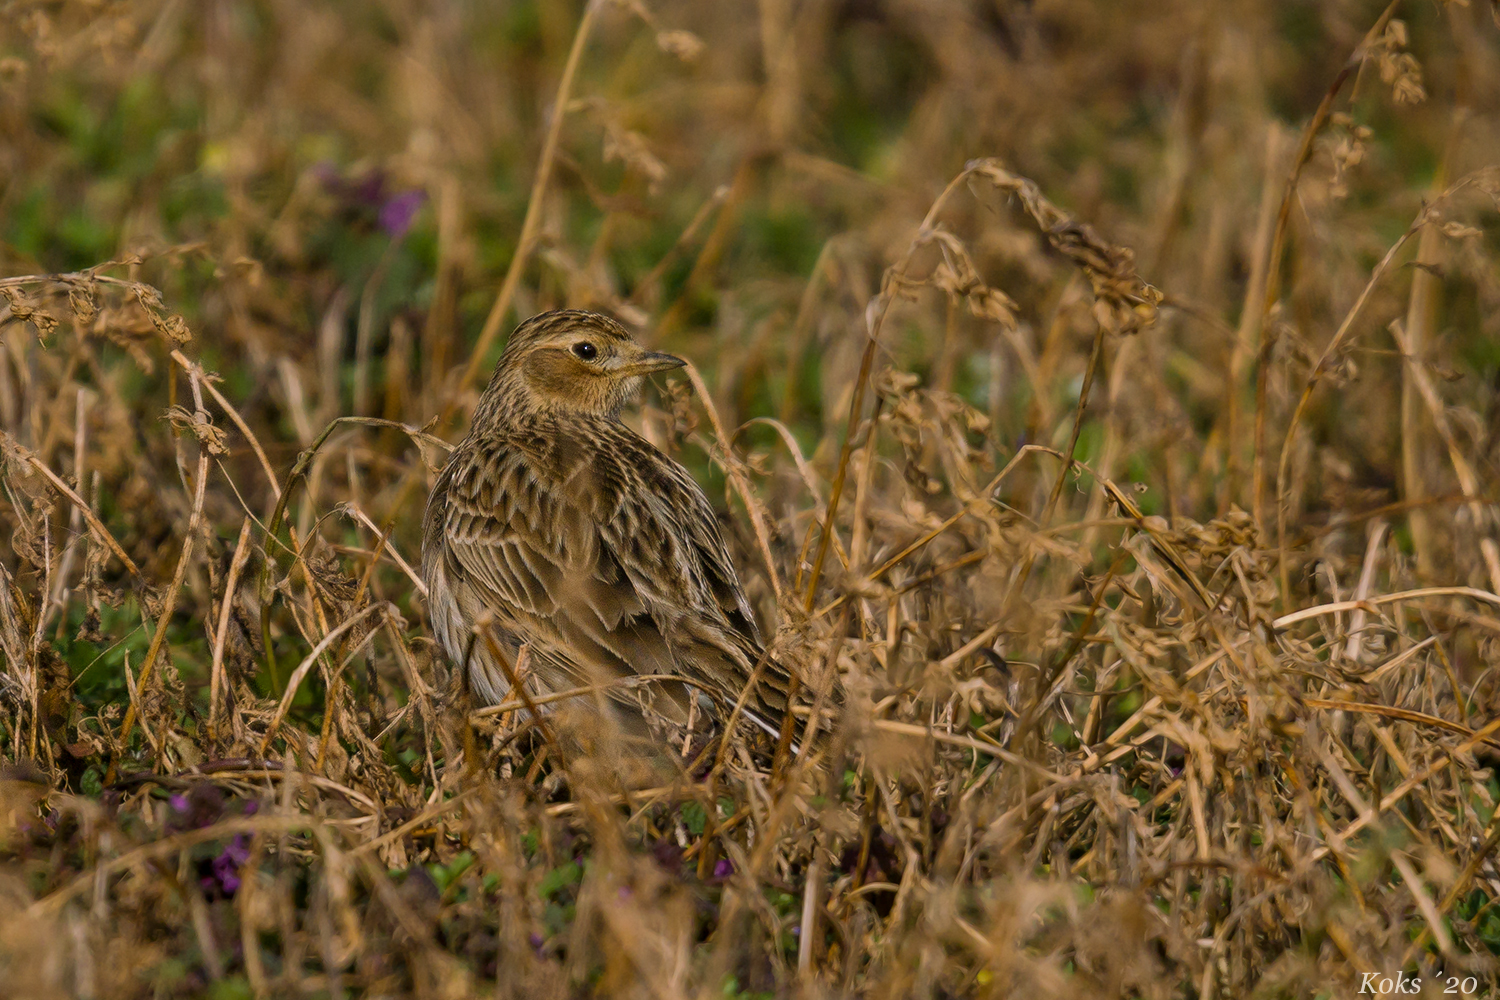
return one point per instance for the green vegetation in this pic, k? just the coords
(1163, 581)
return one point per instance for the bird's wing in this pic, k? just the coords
(669, 545)
(608, 559)
(505, 530)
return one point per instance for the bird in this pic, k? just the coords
(557, 530)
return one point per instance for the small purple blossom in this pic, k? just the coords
(226, 867)
(723, 868)
(394, 212)
(179, 803)
(398, 211)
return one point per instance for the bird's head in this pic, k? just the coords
(572, 361)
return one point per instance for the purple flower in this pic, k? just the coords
(226, 867)
(398, 211)
(238, 850)
(723, 868)
(179, 803)
(393, 212)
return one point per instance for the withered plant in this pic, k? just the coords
(1101, 397)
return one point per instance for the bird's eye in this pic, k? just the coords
(585, 350)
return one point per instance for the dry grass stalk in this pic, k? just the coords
(1096, 742)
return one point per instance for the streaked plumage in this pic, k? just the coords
(585, 542)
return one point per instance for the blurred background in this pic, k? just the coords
(346, 206)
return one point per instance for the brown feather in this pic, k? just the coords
(584, 542)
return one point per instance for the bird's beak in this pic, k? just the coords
(648, 362)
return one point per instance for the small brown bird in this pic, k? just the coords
(556, 527)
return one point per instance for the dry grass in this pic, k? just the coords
(1162, 584)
